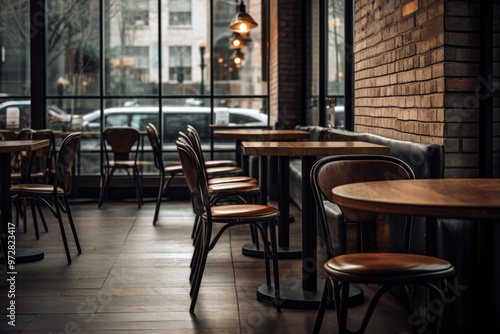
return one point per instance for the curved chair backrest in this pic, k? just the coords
(21, 161)
(66, 161)
(195, 177)
(25, 134)
(45, 156)
(196, 141)
(333, 171)
(121, 139)
(154, 140)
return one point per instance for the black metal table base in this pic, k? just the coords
(24, 255)
(292, 295)
(291, 252)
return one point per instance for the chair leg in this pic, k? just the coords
(322, 306)
(63, 233)
(42, 217)
(195, 287)
(35, 221)
(135, 176)
(158, 198)
(72, 225)
(103, 185)
(342, 310)
(274, 249)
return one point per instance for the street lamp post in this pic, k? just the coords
(202, 46)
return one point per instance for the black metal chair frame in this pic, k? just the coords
(197, 182)
(337, 291)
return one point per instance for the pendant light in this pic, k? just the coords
(237, 40)
(237, 58)
(242, 22)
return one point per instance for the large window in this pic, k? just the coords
(179, 13)
(136, 13)
(326, 70)
(107, 60)
(179, 63)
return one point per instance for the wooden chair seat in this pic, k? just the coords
(38, 188)
(243, 213)
(231, 179)
(387, 268)
(233, 188)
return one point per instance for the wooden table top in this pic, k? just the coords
(463, 198)
(8, 146)
(311, 148)
(237, 126)
(262, 134)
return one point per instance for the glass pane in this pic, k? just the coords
(238, 70)
(14, 49)
(336, 64)
(72, 48)
(336, 57)
(185, 48)
(179, 13)
(131, 35)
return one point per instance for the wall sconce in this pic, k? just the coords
(237, 41)
(237, 58)
(242, 22)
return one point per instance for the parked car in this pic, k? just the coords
(175, 118)
(20, 116)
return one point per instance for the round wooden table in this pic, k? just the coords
(477, 198)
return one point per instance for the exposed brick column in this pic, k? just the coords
(286, 91)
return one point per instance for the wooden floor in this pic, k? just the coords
(133, 278)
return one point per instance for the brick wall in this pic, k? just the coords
(286, 88)
(416, 75)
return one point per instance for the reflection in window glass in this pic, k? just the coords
(179, 61)
(190, 64)
(336, 57)
(130, 32)
(179, 13)
(116, 120)
(136, 13)
(336, 64)
(14, 49)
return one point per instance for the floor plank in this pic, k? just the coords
(133, 278)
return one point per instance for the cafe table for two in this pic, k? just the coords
(476, 198)
(303, 293)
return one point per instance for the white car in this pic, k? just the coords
(175, 118)
(57, 119)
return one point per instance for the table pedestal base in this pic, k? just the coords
(292, 295)
(24, 255)
(291, 252)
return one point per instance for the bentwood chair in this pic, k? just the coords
(55, 194)
(121, 150)
(168, 173)
(387, 269)
(40, 169)
(243, 189)
(263, 217)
